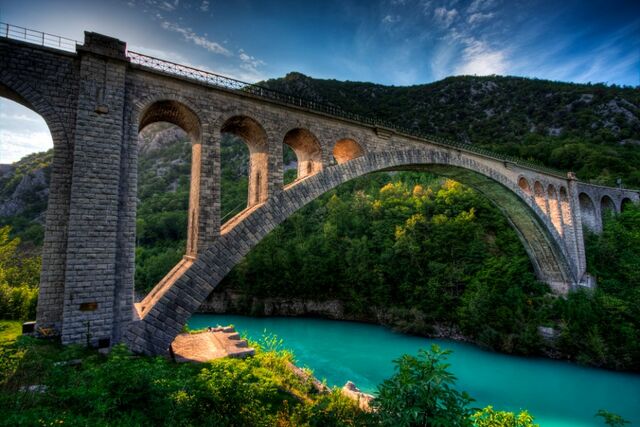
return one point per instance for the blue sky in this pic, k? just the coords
(399, 42)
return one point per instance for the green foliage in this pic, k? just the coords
(488, 417)
(123, 389)
(423, 249)
(19, 278)
(422, 393)
(601, 327)
(611, 419)
(577, 127)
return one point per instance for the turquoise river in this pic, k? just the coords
(558, 394)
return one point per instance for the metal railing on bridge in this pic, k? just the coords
(207, 77)
(16, 32)
(262, 91)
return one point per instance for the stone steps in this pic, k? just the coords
(211, 344)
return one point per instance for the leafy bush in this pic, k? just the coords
(19, 277)
(488, 417)
(422, 392)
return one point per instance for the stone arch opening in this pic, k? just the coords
(524, 185)
(254, 137)
(539, 196)
(168, 122)
(49, 210)
(554, 209)
(588, 212)
(346, 149)
(607, 207)
(307, 150)
(625, 203)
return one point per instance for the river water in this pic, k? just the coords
(556, 393)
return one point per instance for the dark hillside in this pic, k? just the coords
(593, 130)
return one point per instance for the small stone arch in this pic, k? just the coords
(539, 196)
(179, 114)
(607, 204)
(524, 185)
(307, 149)
(625, 203)
(347, 149)
(554, 209)
(174, 112)
(588, 212)
(255, 137)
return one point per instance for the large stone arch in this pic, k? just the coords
(255, 137)
(54, 249)
(176, 112)
(346, 149)
(176, 301)
(307, 149)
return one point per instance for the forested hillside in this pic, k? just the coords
(593, 130)
(414, 251)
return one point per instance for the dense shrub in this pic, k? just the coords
(19, 278)
(422, 392)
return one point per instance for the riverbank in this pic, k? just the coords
(45, 383)
(412, 322)
(558, 394)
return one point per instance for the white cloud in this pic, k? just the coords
(20, 118)
(165, 5)
(250, 63)
(391, 19)
(480, 59)
(204, 6)
(445, 17)
(191, 36)
(16, 145)
(479, 5)
(426, 6)
(479, 17)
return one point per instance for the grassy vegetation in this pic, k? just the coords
(43, 383)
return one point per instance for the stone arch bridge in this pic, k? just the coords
(97, 97)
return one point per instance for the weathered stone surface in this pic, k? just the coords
(96, 102)
(362, 399)
(209, 345)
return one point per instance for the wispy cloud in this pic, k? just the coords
(480, 59)
(249, 63)
(167, 6)
(476, 18)
(391, 19)
(204, 6)
(480, 5)
(16, 145)
(444, 16)
(190, 35)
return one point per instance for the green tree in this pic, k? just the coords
(19, 278)
(422, 393)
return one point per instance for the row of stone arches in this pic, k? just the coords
(262, 167)
(594, 213)
(305, 145)
(553, 202)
